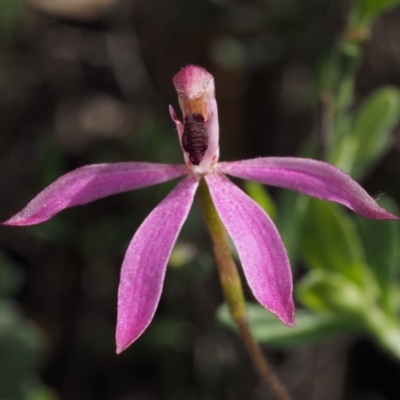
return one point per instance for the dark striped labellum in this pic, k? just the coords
(195, 137)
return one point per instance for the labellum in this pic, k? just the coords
(195, 137)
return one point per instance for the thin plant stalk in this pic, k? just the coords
(233, 292)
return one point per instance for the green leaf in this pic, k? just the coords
(268, 329)
(331, 294)
(344, 152)
(293, 209)
(350, 59)
(381, 243)
(324, 291)
(373, 124)
(330, 241)
(22, 349)
(357, 147)
(368, 10)
(260, 195)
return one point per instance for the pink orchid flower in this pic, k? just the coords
(259, 246)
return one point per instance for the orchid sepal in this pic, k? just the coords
(261, 250)
(311, 177)
(93, 182)
(145, 262)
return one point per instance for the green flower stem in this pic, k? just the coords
(232, 289)
(385, 330)
(337, 93)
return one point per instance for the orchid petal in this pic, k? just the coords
(260, 248)
(211, 155)
(314, 178)
(93, 182)
(145, 262)
(178, 124)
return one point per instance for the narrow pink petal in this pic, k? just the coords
(93, 182)
(145, 262)
(314, 178)
(260, 248)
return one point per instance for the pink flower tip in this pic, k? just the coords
(120, 349)
(17, 222)
(287, 316)
(191, 82)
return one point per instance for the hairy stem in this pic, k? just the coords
(232, 289)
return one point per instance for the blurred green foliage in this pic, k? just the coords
(352, 286)
(331, 245)
(367, 138)
(22, 345)
(366, 11)
(259, 193)
(267, 329)
(382, 252)
(353, 279)
(9, 12)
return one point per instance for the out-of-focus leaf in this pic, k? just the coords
(9, 10)
(21, 352)
(330, 241)
(341, 153)
(40, 393)
(10, 277)
(381, 241)
(182, 254)
(267, 329)
(373, 124)
(350, 59)
(293, 210)
(327, 74)
(8, 317)
(360, 145)
(324, 291)
(260, 194)
(368, 10)
(170, 333)
(344, 153)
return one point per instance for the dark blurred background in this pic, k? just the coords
(87, 81)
